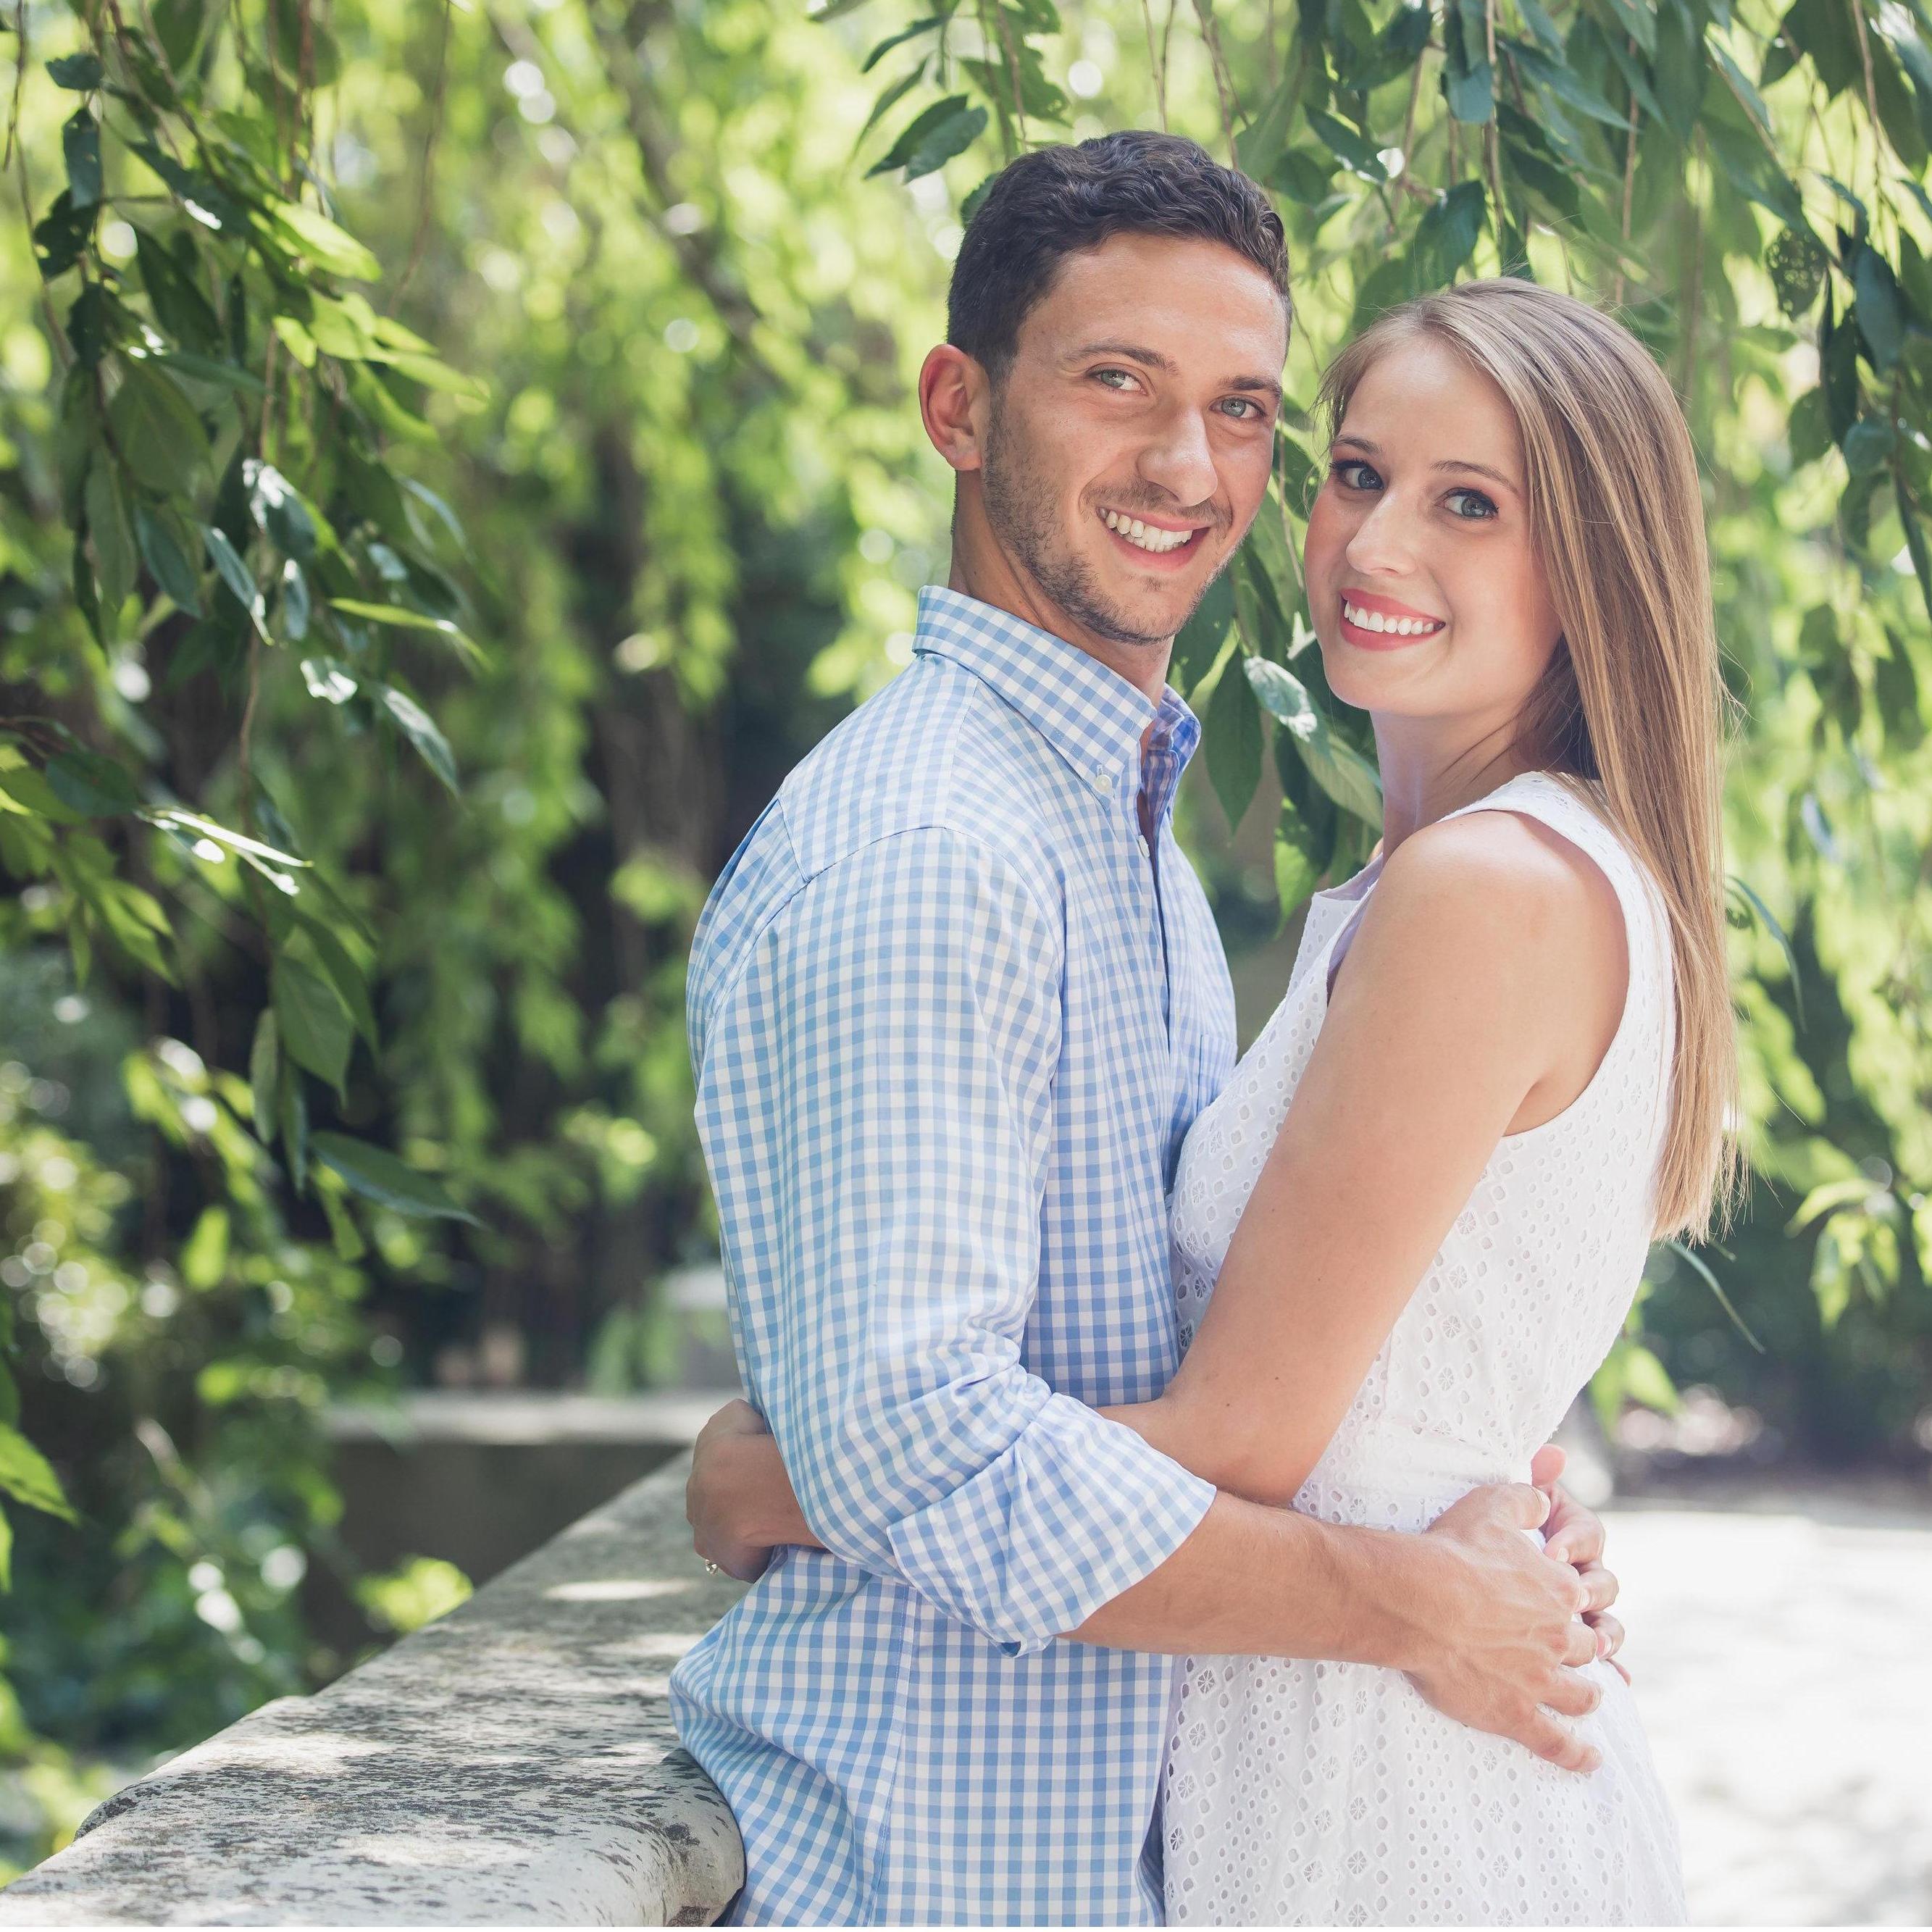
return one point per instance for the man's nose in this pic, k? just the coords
(1180, 460)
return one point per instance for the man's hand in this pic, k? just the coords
(1575, 1535)
(1504, 1637)
(716, 1493)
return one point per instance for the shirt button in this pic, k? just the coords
(1103, 778)
(1146, 851)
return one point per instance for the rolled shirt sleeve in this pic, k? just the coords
(901, 1018)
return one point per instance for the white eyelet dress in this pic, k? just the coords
(1332, 1794)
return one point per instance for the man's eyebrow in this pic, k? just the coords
(1369, 448)
(1152, 359)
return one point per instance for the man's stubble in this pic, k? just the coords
(1021, 506)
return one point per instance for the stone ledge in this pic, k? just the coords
(513, 1763)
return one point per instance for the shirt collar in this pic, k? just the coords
(1092, 716)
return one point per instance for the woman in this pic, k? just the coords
(1411, 1228)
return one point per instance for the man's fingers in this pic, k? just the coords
(1572, 1694)
(1528, 1505)
(1579, 1645)
(1559, 1743)
(1599, 1587)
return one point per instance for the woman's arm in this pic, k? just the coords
(1479, 993)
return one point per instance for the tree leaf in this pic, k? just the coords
(264, 1067)
(87, 782)
(402, 618)
(1259, 144)
(1881, 314)
(380, 1176)
(1638, 19)
(80, 143)
(166, 559)
(278, 508)
(313, 1024)
(233, 572)
(345, 974)
(157, 431)
(293, 1113)
(113, 539)
(61, 236)
(915, 130)
(1445, 237)
(904, 33)
(1914, 541)
(952, 137)
(172, 818)
(1232, 737)
(209, 203)
(27, 1476)
(314, 235)
(1197, 645)
(181, 308)
(422, 731)
(78, 74)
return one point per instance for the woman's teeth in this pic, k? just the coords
(1144, 536)
(1401, 627)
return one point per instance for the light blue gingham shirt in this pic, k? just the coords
(949, 1026)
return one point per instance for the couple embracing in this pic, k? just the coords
(1153, 1523)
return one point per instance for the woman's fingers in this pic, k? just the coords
(1600, 1588)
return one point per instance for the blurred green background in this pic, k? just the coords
(456, 458)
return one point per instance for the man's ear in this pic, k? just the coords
(954, 395)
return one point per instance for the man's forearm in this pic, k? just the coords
(1252, 1581)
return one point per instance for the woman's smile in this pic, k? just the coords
(1372, 623)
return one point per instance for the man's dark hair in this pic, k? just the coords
(1061, 200)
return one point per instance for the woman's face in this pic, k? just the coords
(1427, 596)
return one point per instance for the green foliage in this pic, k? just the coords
(369, 733)
(1749, 191)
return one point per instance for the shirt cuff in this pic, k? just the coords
(1076, 1510)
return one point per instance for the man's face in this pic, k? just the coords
(1144, 386)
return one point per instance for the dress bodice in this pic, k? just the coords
(1532, 1285)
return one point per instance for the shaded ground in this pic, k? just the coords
(1781, 1648)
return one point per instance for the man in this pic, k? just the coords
(954, 1005)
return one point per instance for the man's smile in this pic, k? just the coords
(1168, 541)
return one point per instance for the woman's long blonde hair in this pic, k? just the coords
(1633, 698)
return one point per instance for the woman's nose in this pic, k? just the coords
(1383, 540)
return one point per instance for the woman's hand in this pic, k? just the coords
(738, 1498)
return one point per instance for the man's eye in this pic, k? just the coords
(1355, 475)
(1106, 375)
(1246, 402)
(1477, 509)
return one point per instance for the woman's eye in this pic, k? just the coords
(1353, 475)
(1475, 508)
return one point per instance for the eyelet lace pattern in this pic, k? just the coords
(1311, 1793)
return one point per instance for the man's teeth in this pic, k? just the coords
(1145, 536)
(1401, 627)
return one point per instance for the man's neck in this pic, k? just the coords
(980, 569)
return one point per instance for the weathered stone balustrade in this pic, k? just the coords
(513, 1763)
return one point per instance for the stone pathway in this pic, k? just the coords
(1783, 1660)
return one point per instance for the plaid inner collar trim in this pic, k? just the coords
(1090, 714)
